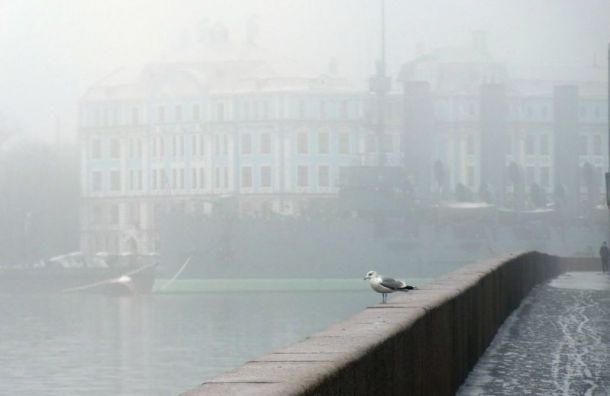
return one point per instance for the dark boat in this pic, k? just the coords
(102, 273)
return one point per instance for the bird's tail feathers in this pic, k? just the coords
(407, 288)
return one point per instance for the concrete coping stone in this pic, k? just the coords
(244, 388)
(426, 298)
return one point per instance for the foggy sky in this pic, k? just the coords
(52, 50)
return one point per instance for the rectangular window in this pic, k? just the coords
(115, 148)
(388, 143)
(302, 176)
(134, 213)
(180, 146)
(344, 143)
(139, 148)
(178, 113)
(323, 176)
(226, 177)
(115, 180)
(265, 143)
(545, 177)
(225, 145)
(323, 142)
(470, 176)
(470, 145)
(132, 182)
(114, 214)
(301, 109)
(302, 143)
(96, 181)
(343, 111)
(104, 116)
(529, 144)
(217, 177)
(153, 180)
(246, 177)
(343, 175)
(202, 178)
(194, 145)
(202, 146)
(597, 145)
(164, 180)
(130, 149)
(98, 214)
(472, 111)
(530, 175)
(220, 112)
(194, 179)
(96, 149)
(265, 176)
(195, 112)
(370, 143)
(135, 116)
(161, 114)
(584, 149)
(246, 143)
(216, 144)
(181, 179)
(544, 144)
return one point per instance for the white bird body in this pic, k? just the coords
(385, 285)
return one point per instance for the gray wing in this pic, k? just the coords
(391, 283)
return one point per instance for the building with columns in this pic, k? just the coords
(187, 134)
(184, 135)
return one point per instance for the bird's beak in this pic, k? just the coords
(365, 278)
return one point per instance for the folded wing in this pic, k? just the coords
(393, 284)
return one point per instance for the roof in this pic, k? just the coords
(455, 70)
(218, 70)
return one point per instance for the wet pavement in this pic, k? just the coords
(556, 343)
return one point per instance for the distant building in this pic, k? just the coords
(187, 134)
(183, 135)
(467, 119)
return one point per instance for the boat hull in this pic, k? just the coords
(97, 280)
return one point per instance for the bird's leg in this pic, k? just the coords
(384, 297)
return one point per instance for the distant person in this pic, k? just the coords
(604, 254)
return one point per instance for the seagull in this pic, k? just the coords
(386, 285)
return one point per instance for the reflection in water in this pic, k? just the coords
(151, 345)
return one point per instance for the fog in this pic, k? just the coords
(186, 185)
(52, 51)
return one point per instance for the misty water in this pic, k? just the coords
(159, 344)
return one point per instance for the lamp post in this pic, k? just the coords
(608, 173)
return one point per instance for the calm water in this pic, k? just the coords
(161, 344)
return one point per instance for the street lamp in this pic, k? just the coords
(608, 173)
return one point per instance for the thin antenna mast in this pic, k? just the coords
(379, 85)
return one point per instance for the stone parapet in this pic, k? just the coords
(424, 342)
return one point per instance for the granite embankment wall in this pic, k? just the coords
(423, 342)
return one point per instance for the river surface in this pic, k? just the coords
(164, 343)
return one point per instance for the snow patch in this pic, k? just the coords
(582, 281)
